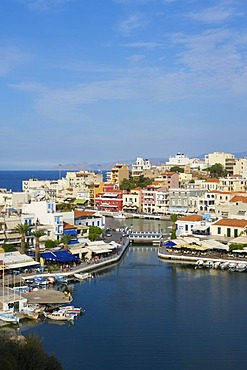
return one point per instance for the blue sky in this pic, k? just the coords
(108, 80)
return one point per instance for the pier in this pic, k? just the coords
(146, 237)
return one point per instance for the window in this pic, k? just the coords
(228, 232)
(235, 233)
(219, 230)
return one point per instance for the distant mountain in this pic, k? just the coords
(85, 166)
(106, 166)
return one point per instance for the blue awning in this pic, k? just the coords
(169, 244)
(60, 256)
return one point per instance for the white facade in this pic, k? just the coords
(140, 166)
(46, 215)
(179, 160)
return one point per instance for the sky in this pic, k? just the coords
(111, 80)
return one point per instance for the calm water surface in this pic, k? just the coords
(146, 313)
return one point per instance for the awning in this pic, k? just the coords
(60, 256)
(96, 249)
(169, 244)
(200, 228)
(22, 264)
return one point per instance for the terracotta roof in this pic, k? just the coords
(231, 222)
(67, 226)
(168, 173)
(84, 213)
(239, 199)
(191, 218)
(212, 180)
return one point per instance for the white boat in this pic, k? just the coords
(209, 264)
(241, 267)
(224, 265)
(232, 266)
(72, 310)
(84, 276)
(199, 263)
(217, 264)
(119, 215)
(59, 315)
(29, 314)
(9, 317)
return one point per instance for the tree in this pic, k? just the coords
(173, 218)
(217, 170)
(94, 233)
(23, 229)
(8, 247)
(18, 352)
(65, 239)
(177, 169)
(37, 234)
(135, 182)
(49, 244)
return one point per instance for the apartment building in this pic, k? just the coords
(141, 166)
(185, 200)
(132, 200)
(117, 174)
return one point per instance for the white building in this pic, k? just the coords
(179, 160)
(45, 214)
(140, 166)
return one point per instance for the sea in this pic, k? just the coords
(12, 179)
(145, 313)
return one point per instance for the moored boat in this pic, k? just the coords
(9, 317)
(72, 310)
(232, 266)
(119, 215)
(83, 276)
(199, 263)
(241, 267)
(224, 265)
(59, 316)
(209, 264)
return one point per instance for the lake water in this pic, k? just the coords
(148, 314)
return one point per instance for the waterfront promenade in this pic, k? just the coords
(169, 255)
(86, 266)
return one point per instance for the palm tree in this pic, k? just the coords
(65, 239)
(173, 218)
(23, 229)
(37, 234)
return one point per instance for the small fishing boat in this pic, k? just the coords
(241, 267)
(209, 264)
(9, 317)
(224, 265)
(119, 215)
(72, 310)
(232, 266)
(29, 314)
(60, 315)
(217, 264)
(61, 279)
(199, 263)
(83, 276)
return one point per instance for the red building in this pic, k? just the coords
(110, 200)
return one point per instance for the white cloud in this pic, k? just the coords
(10, 58)
(137, 58)
(45, 4)
(213, 15)
(133, 22)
